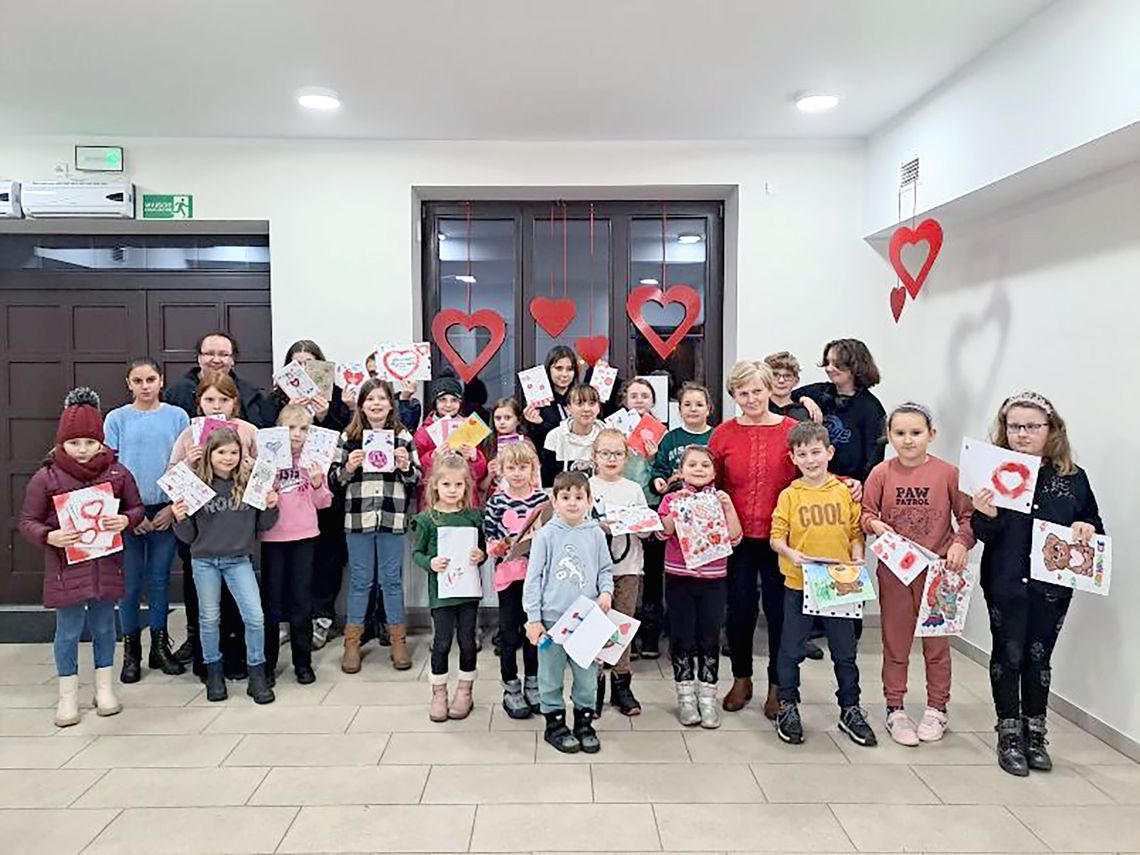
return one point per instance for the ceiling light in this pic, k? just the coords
(465, 278)
(816, 103)
(688, 238)
(648, 282)
(442, 236)
(317, 98)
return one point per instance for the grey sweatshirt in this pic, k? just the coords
(221, 530)
(566, 562)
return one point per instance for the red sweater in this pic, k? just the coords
(920, 503)
(754, 465)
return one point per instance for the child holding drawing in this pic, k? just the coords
(450, 498)
(447, 397)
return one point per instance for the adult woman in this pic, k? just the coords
(752, 453)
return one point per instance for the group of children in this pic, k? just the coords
(560, 465)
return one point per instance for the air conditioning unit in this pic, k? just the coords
(10, 199)
(42, 199)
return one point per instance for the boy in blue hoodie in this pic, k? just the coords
(569, 558)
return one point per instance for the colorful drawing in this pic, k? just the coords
(319, 448)
(631, 519)
(351, 376)
(181, 484)
(603, 379)
(202, 426)
(648, 429)
(1011, 475)
(623, 420)
(379, 451)
(902, 557)
(294, 382)
(838, 584)
(261, 479)
(627, 628)
(702, 529)
(440, 429)
(400, 362)
(1058, 559)
(86, 511)
(273, 447)
(470, 431)
(945, 601)
(585, 631)
(536, 386)
(461, 578)
(323, 374)
(852, 611)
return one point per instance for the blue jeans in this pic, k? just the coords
(147, 560)
(237, 570)
(100, 618)
(369, 552)
(552, 662)
(840, 634)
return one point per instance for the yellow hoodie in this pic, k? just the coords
(821, 522)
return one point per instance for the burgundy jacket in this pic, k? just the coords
(100, 579)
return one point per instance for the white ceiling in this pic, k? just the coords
(482, 69)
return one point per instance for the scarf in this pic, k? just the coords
(85, 472)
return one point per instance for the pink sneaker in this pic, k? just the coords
(933, 725)
(901, 729)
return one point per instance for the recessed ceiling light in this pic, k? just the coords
(442, 236)
(648, 282)
(465, 278)
(318, 98)
(811, 103)
(688, 238)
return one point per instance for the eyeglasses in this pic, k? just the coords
(783, 377)
(1030, 427)
(610, 455)
(216, 354)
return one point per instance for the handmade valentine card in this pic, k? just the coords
(461, 578)
(520, 543)
(294, 382)
(627, 628)
(181, 484)
(570, 619)
(1057, 558)
(648, 429)
(379, 451)
(400, 362)
(945, 600)
(702, 529)
(623, 420)
(902, 557)
(261, 479)
(440, 429)
(603, 378)
(838, 584)
(471, 431)
(536, 386)
(1011, 475)
(587, 640)
(87, 511)
(323, 374)
(273, 447)
(631, 519)
(350, 376)
(853, 611)
(206, 425)
(319, 448)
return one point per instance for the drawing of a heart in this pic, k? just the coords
(552, 315)
(591, 348)
(491, 320)
(683, 294)
(353, 378)
(1011, 479)
(513, 521)
(273, 446)
(908, 561)
(401, 363)
(898, 300)
(928, 230)
(625, 627)
(88, 536)
(91, 510)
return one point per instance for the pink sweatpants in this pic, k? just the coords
(898, 604)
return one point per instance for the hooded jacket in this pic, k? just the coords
(566, 562)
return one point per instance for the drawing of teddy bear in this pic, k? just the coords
(1058, 555)
(943, 596)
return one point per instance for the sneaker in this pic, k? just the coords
(513, 700)
(321, 627)
(789, 726)
(901, 728)
(530, 692)
(853, 722)
(933, 725)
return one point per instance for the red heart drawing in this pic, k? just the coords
(91, 510)
(625, 628)
(353, 378)
(402, 362)
(929, 231)
(682, 294)
(592, 348)
(898, 300)
(552, 315)
(1011, 479)
(487, 318)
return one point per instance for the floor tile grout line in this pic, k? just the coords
(88, 788)
(1025, 825)
(76, 753)
(230, 753)
(656, 827)
(118, 812)
(387, 744)
(915, 771)
(842, 827)
(759, 786)
(260, 783)
(427, 778)
(471, 833)
(352, 720)
(288, 828)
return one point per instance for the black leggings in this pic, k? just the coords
(1024, 634)
(695, 610)
(458, 620)
(512, 617)
(753, 568)
(286, 594)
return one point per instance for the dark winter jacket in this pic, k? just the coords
(256, 407)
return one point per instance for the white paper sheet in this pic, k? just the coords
(180, 483)
(461, 578)
(261, 479)
(536, 386)
(273, 447)
(1058, 559)
(294, 382)
(319, 448)
(379, 450)
(1011, 475)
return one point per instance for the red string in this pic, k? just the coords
(591, 268)
(551, 249)
(664, 250)
(565, 254)
(468, 283)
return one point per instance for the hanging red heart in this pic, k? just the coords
(552, 315)
(592, 348)
(682, 294)
(898, 300)
(928, 230)
(487, 318)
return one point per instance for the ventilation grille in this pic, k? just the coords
(908, 173)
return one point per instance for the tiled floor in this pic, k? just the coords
(352, 764)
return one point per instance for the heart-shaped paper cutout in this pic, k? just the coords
(554, 316)
(928, 230)
(513, 521)
(487, 318)
(401, 363)
(683, 294)
(592, 348)
(353, 378)
(898, 300)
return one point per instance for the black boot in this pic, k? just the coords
(258, 686)
(621, 694)
(382, 636)
(559, 735)
(1011, 748)
(650, 632)
(215, 682)
(600, 700)
(584, 731)
(132, 658)
(161, 657)
(185, 651)
(1036, 754)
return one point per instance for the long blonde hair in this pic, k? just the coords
(454, 463)
(1057, 449)
(205, 470)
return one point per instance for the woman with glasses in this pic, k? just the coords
(1026, 615)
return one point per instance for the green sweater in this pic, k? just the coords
(425, 527)
(673, 444)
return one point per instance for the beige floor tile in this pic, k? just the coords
(381, 828)
(1121, 783)
(663, 784)
(26, 654)
(59, 832)
(46, 752)
(147, 721)
(146, 693)
(194, 831)
(935, 828)
(956, 748)
(342, 785)
(658, 716)
(414, 719)
(275, 719)
(459, 748)
(130, 788)
(29, 722)
(28, 697)
(759, 746)
(1083, 829)
(761, 828)
(309, 749)
(352, 692)
(1075, 748)
(25, 674)
(841, 783)
(287, 693)
(988, 785)
(48, 788)
(644, 747)
(514, 827)
(116, 752)
(503, 784)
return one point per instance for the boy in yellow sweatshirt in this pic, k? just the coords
(815, 518)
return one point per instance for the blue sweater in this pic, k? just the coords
(566, 562)
(143, 442)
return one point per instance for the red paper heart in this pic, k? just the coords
(552, 315)
(682, 294)
(491, 320)
(354, 378)
(898, 300)
(592, 348)
(929, 231)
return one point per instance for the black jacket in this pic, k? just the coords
(257, 408)
(1008, 537)
(856, 424)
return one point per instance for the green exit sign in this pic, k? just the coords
(160, 207)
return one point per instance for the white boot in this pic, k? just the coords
(67, 710)
(687, 711)
(706, 703)
(105, 701)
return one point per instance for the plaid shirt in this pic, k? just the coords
(377, 501)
